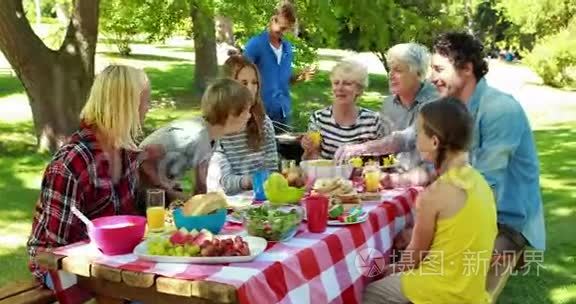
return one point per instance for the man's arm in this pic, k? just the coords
(500, 134)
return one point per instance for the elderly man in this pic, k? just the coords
(408, 64)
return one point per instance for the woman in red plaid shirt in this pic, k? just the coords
(97, 169)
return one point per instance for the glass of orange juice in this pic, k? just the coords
(372, 180)
(315, 137)
(155, 211)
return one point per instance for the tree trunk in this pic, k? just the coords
(56, 82)
(382, 56)
(202, 13)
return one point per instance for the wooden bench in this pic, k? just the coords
(30, 292)
(500, 270)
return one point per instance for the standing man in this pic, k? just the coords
(273, 56)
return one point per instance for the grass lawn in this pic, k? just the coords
(551, 281)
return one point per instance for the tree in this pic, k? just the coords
(540, 17)
(378, 25)
(57, 82)
(202, 13)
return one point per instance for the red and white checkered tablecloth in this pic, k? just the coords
(311, 267)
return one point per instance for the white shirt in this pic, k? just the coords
(277, 51)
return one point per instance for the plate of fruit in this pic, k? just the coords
(200, 247)
(338, 216)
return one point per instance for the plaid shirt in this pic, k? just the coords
(79, 175)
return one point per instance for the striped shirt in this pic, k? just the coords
(234, 159)
(367, 127)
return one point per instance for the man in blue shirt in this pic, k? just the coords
(273, 56)
(503, 147)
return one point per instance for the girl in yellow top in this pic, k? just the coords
(455, 227)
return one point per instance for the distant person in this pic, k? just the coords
(274, 57)
(240, 154)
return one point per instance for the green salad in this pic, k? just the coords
(272, 224)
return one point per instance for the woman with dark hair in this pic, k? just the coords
(240, 154)
(455, 222)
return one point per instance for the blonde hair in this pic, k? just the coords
(255, 128)
(224, 98)
(113, 105)
(351, 70)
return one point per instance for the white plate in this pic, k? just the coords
(361, 219)
(240, 200)
(256, 245)
(232, 219)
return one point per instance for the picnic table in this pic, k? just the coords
(311, 267)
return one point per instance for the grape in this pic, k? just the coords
(192, 250)
(179, 251)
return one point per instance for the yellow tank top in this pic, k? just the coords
(454, 271)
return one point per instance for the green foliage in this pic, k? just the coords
(315, 22)
(378, 25)
(122, 20)
(539, 17)
(491, 25)
(554, 58)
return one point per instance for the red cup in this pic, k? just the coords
(317, 213)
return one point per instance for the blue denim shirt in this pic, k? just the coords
(275, 78)
(503, 150)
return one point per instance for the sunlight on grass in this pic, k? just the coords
(563, 211)
(13, 235)
(564, 294)
(15, 108)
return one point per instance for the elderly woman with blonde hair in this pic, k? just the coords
(344, 122)
(96, 170)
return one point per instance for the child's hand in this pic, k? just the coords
(307, 143)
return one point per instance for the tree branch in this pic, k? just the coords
(21, 46)
(82, 33)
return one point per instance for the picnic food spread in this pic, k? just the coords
(272, 224)
(194, 243)
(337, 212)
(294, 175)
(204, 204)
(279, 192)
(339, 190)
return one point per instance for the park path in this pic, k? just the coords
(545, 105)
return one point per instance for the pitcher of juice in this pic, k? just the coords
(372, 180)
(155, 211)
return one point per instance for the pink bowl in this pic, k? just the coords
(117, 234)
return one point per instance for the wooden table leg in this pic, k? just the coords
(108, 300)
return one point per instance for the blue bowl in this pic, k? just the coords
(212, 222)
